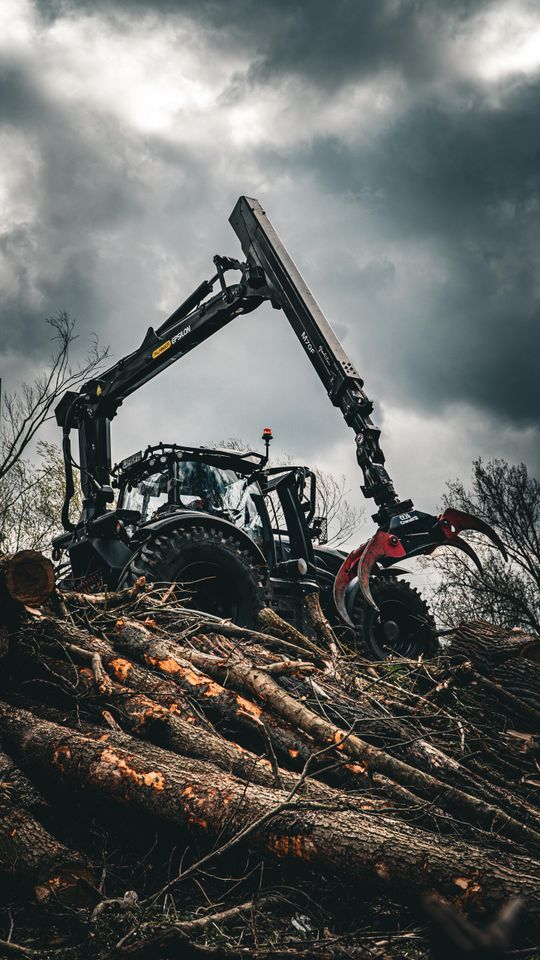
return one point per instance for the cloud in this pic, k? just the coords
(393, 145)
(327, 46)
(438, 256)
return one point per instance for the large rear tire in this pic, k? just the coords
(215, 573)
(405, 626)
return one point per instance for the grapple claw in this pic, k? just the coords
(454, 521)
(410, 534)
(360, 563)
(382, 545)
(466, 548)
(345, 574)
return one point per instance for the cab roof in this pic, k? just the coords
(242, 462)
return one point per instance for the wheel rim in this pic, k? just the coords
(398, 628)
(210, 589)
(403, 627)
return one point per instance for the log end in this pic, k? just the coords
(29, 577)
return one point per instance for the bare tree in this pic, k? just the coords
(31, 492)
(342, 517)
(25, 411)
(508, 498)
(31, 499)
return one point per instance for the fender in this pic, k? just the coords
(187, 518)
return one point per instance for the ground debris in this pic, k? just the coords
(171, 785)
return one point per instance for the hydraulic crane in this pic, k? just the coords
(267, 274)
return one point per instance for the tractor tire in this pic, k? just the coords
(405, 626)
(215, 573)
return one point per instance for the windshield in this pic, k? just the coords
(196, 479)
(195, 485)
(147, 496)
(220, 491)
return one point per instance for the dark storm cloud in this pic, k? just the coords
(453, 170)
(71, 203)
(432, 281)
(327, 43)
(89, 193)
(466, 184)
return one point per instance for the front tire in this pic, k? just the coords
(405, 626)
(215, 572)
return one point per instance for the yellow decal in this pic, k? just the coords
(161, 349)
(99, 391)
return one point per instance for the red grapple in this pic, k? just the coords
(454, 521)
(362, 561)
(419, 533)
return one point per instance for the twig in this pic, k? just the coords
(271, 755)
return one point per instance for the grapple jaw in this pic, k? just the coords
(408, 535)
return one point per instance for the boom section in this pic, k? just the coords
(263, 248)
(184, 330)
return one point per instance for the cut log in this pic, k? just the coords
(26, 577)
(189, 795)
(320, 624)
(289, 743)
(29, 852)
(274, 624)
(164, 726)
(486, 645)
(506, 663)
(241, 673)
(17, 790)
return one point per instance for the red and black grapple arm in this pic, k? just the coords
(402, 530)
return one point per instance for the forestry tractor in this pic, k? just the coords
(233, 533)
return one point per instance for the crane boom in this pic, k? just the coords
(263, 247)
(268, 273)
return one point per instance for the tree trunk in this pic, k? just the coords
(486, 645)
(29, 852)
(26, 577)
(241, 673)
(506, 664)
(193, 795)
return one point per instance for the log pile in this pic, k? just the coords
(172, 785)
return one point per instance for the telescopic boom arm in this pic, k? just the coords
(268, 274)
(342, 382)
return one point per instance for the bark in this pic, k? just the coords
(275, 625)
(390, 733)
(289, 743)
(164, 726)
(465, 795)
(58, 637)
(241, 673)
(29, 852)
(486, 645)
(190, 796)
(320, 624)
(26, 578)
(17, 790)
(506, 664)
(159, 726)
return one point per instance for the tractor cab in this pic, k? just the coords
(168, 479)
(235, 533)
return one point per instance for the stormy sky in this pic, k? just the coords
(395, 145)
